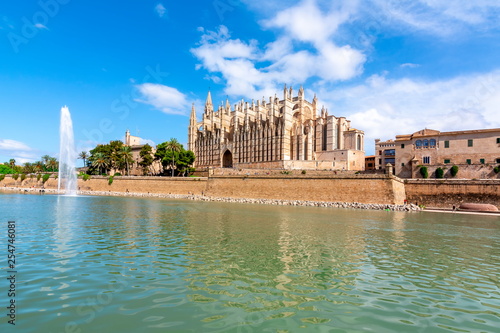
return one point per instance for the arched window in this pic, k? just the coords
(432, 143)
(426, 143)
(359, 143)
(418, 143)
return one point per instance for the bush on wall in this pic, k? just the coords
(439, 173)
(424, 172)
(454, 170)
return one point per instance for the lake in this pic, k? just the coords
(96, 264)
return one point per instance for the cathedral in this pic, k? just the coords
(291, 133)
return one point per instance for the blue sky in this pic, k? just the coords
(391, 67)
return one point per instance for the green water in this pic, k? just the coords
(99, 264)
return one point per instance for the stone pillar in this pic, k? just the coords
(389, 169)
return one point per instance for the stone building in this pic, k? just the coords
(281, 134)
(134, 142)
(385, 152)
(370, 162)
(475, 152)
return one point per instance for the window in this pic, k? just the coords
(481, 161)
(379, 161)
(470, 143)
(498, 160)
(427, 159)
(447, 144)
(446, 161)
(432, 143)
(380, 152)
(498, 140)
(403, 145)
(402, 164)
(426, 143)
(469, 161)
(418, 143)
(390, 152)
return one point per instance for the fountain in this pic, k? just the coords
(67, 155)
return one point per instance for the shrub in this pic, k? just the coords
(496, 169)
(56, 176)
(439, 173)
(38, 176)
(424, 172)
(15, 176)
(117, 174)
(86, 177)
(45, 177)
(454, 170)
(110, 180)
(2, 177)
(304, 172)
(285, 172)
(23, 177)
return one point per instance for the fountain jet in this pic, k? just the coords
(67, 155)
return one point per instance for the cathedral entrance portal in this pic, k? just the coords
(227, 159)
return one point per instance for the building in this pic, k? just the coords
(281, 134)
(134, 142)
(385, 152)
(475, 152)
(370, 163)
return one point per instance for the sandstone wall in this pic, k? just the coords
(377, 189)
(452, 192)
(357, 188)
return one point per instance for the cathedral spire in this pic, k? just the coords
(301, 92)
(208, 103)
(192, 118)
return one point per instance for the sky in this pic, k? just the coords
(390, 66)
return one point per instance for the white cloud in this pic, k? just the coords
(41, 26)
(303, 49)
(166, 99)
(17, 150)
(441, 18)
(13, 145)
(160, 10)
(384, 108)
(409, 65)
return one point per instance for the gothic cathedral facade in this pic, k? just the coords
(279, 134)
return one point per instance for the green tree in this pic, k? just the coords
(110, 152)
(147, 158)
(12, 163)
(100, 162)
(6, 170)
(439, 173)
(83, 156)
(424, 172)
(39, 166)
(125, 157)
(454, 170)
(52, 164)
(172, 156)
(28, 167)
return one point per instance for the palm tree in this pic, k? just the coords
(38, 166)
(28, 167)
(99, 161)
(12, 163)
(125, 156)
(83, 156)
(45, 160)
(52, 163)
(174, 146)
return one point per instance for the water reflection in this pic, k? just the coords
(207, 267)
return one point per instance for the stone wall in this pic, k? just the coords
(355, 188)
(369, 189)
(452, 192)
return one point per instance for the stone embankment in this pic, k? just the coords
(277, 202)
